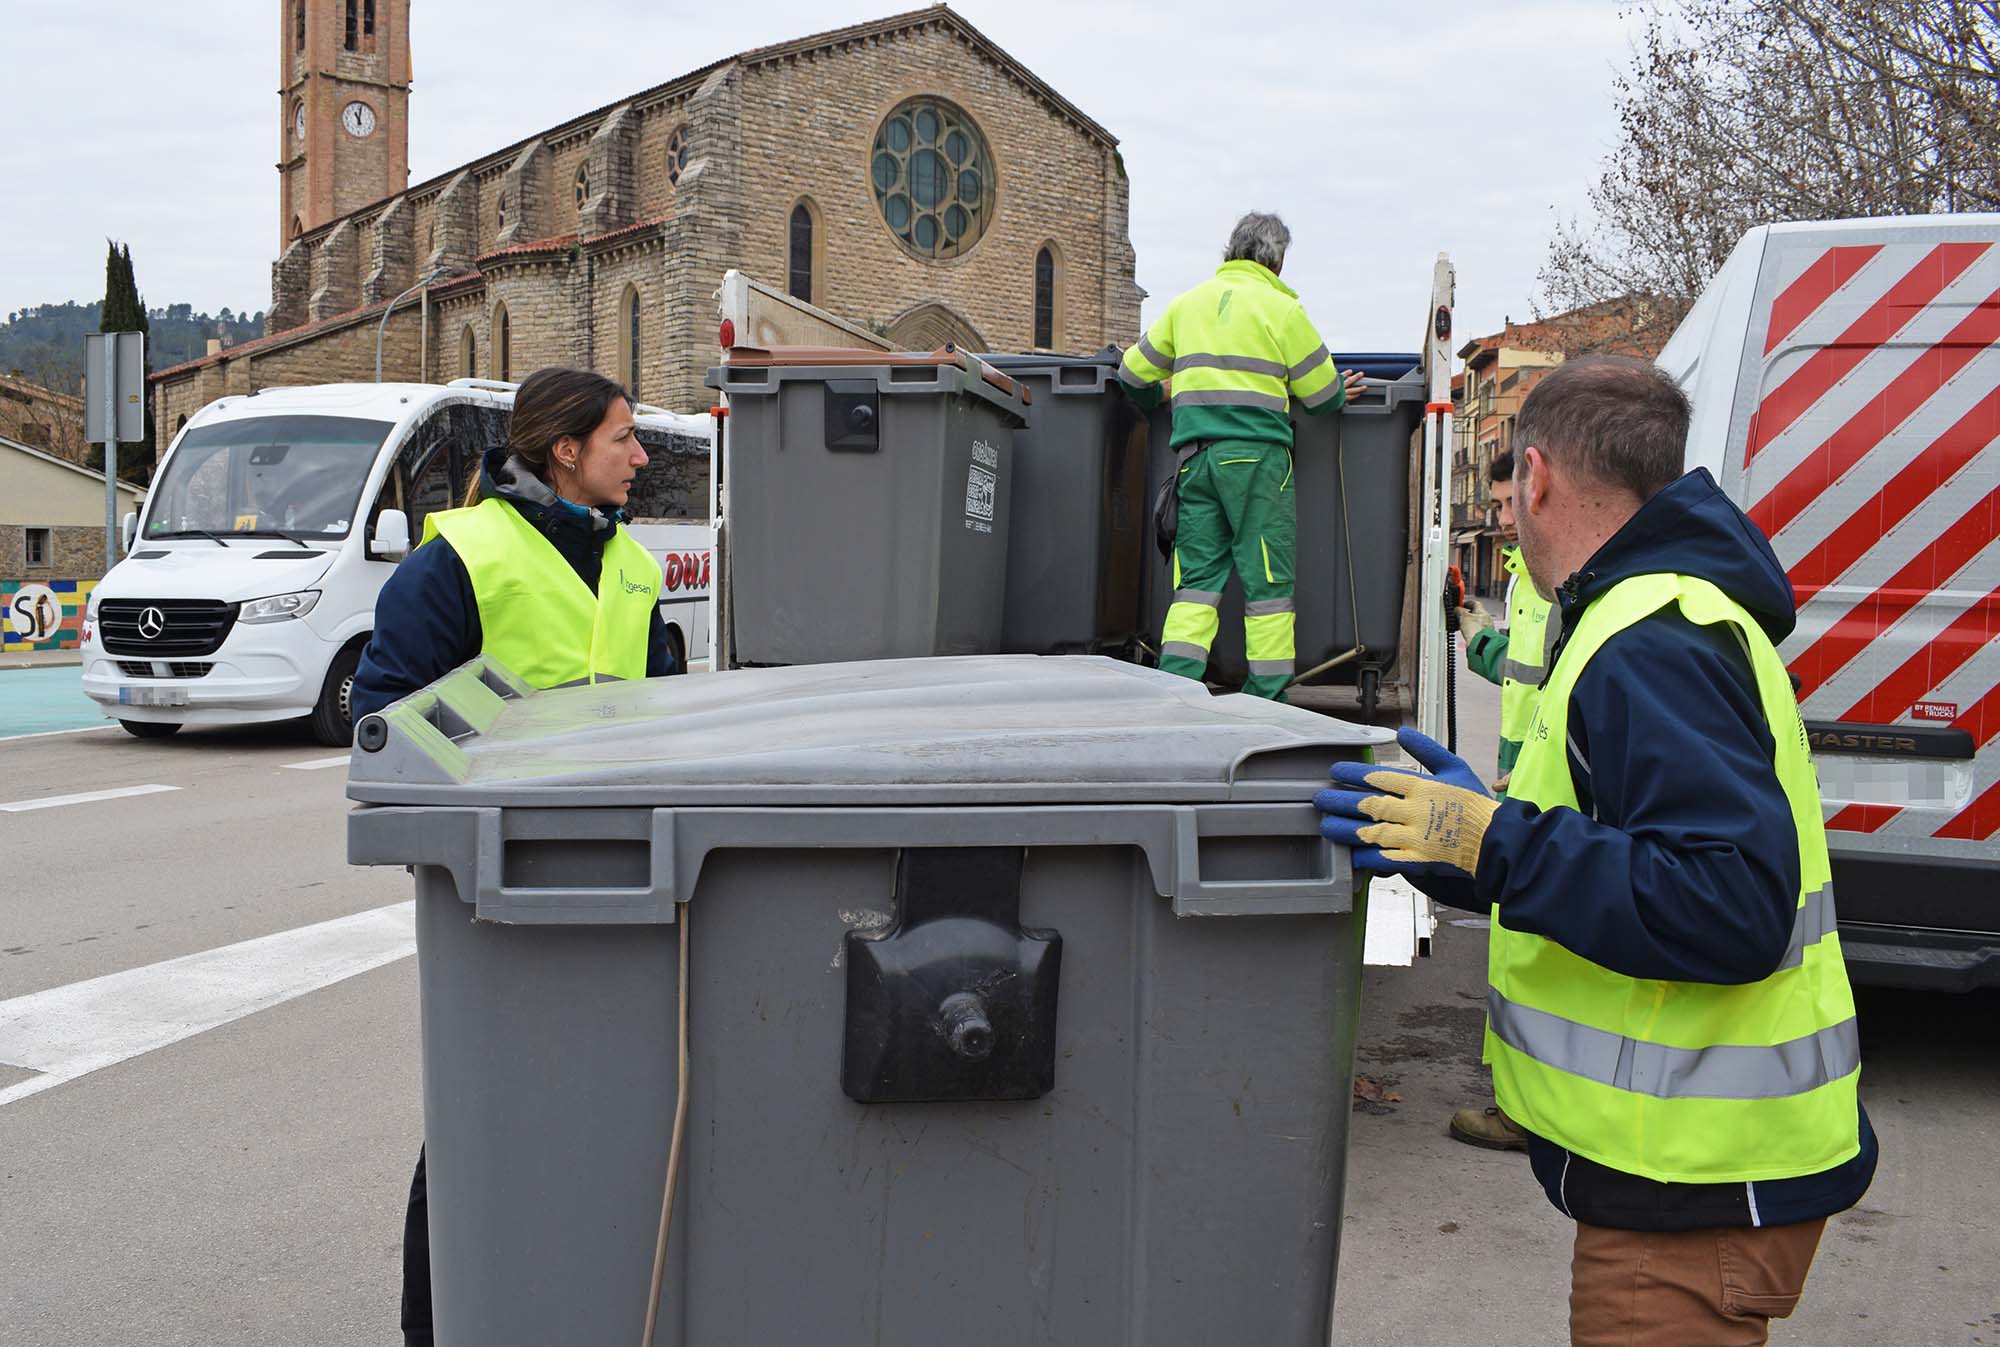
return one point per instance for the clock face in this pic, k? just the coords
(299, 120)
(358, 118)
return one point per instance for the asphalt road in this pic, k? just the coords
(242, 1182)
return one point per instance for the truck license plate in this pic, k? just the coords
(152, 697)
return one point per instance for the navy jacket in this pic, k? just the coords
(1680, 861)
(426, 618)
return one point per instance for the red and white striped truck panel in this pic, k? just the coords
(1864, 439)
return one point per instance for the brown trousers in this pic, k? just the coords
(1694, 1288)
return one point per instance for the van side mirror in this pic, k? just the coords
(128, 529)
(392, 536)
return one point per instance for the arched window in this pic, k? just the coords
(353, 25)
(582, 185)
(299, 24)
(368, 18)
(298, 226)
(632, 342)
(677, 154)
(468, 353)
(1045, 299)
(799, 264)
(503, 345)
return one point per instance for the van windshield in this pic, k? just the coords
(266, 475)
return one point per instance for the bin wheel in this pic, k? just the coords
(333, 716)
(151, 729)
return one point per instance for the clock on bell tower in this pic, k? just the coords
(344, 105)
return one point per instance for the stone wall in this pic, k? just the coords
(808, 127)
(43, 418)
(74, 552)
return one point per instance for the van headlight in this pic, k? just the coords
(279, 607)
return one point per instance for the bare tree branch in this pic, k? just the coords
(1733, 113)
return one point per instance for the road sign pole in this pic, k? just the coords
(110, 452)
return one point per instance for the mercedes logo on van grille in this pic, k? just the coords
(151, 623)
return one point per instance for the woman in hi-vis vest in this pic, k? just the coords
(538, 572)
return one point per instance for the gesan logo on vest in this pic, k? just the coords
(632, 586)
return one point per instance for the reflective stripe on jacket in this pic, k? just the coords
(1239, 348)
(537, 616)
(1679, 1082)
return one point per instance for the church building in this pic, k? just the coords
(905, 174)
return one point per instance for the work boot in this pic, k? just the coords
(1488, 1127)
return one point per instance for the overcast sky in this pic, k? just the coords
(1384, 133)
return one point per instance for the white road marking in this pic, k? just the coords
(88, 797)
(71, 1031)
(315, 764)
(50, 734)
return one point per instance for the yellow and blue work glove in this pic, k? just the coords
(1422, 824)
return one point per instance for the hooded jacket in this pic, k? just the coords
(427, 618)
(1678, 863)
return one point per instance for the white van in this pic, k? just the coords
(1846, 387)
(249, 584)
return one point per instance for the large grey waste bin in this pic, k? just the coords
(1352, 475)
(1077, 545)
(1125, 871)
(868, 503)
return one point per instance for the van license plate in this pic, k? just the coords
(152, 697)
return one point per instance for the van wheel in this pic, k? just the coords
(678, 649)
(333, 717)
(151, 729)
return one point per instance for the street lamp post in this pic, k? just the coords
(382, 326)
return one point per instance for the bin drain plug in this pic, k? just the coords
(962, 1017)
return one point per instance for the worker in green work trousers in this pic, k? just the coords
(1518, 660)
(1238, 348)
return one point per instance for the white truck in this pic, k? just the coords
(249, 584)
(1846, 388)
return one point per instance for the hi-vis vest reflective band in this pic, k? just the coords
(1681, 1082)
(1240, 339)
(1529, 636)
(537, 617)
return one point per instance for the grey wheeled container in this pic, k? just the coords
(868, 503)
(1352, 474)
(1022, 993)
(1077, 545)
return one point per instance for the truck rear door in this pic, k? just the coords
(1863, 438)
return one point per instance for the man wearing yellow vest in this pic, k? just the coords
(1516, 659)
(537, 571)
(1668, 1014)
(1238, 348)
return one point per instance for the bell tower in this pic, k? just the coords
(343, 108)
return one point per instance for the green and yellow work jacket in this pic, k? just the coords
(1239, 348)
(1516, 659)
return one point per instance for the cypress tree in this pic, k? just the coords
(124, 311)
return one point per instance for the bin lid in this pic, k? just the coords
(814, 358)
(999, 729)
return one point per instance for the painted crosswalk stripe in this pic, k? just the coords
(87, 797)
(317, 764)
(70, 1031)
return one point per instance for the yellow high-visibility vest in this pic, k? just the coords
(1681, 1082)
(535, 613)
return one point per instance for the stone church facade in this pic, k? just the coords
(905, 174)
